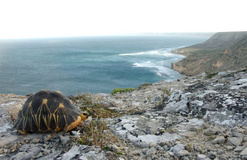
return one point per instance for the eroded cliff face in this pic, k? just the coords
(223, 51)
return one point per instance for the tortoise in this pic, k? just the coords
(48, 111)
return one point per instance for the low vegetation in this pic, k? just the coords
(144, 85)
(211, 74)
(95, 131)
(121, 90)
(189, 147)
(167, 91)
(92, 133)
(94, 106)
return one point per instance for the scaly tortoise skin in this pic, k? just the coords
(48, 111)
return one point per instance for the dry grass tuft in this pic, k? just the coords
(94, 106)
(13, 112)
(97, 133)
(94, 132)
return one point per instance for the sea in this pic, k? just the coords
(93, 64)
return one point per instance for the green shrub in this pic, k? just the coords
(121, 90)
(167, 91)
(211, 74)
(189, 147)
(144, 85)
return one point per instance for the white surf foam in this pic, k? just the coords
(132, 54)
(152, 53)
(158, 61)
(159, 69)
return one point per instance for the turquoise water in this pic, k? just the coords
(88, 64)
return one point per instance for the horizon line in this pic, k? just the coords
(102, 35)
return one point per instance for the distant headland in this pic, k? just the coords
(221, 52)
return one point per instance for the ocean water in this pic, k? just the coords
(88, 64)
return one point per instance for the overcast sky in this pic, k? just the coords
(60, 18)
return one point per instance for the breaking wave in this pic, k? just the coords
(159, 69)
(165, 53)
(157, 61)
(132, 54)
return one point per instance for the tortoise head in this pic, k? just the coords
(84, 116)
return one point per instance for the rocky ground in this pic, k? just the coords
(191, 118)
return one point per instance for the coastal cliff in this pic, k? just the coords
(223, 51)
(198, 117)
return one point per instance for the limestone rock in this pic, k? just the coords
(84, 152)
(74, 151)
(175, 149)
(239, 148)
(182, 153)
(211, 155)
(201, 157)
(219, 140)
(64, 139)
(235, 140)
(27, 151)
(151, 151)
(244, 152)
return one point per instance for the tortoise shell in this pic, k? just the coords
(48, 111)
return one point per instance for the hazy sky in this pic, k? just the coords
(59, 18)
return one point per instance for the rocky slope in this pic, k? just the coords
(223, 51)
(191, 118)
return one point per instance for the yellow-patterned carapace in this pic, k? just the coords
(47, 111)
